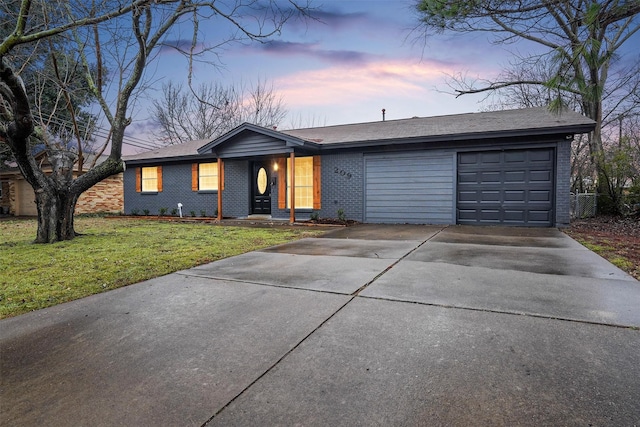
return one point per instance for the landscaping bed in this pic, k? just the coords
(616, 239)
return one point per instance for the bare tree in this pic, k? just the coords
(581, 42)
(619, 110)
(210, 110)
(134, 32)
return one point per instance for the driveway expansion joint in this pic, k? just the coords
(277, 362)
(508, 312)
(366, 285)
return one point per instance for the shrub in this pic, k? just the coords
(135, 212)
(193, 213)
(203, 213)
(163, 211)
(341, 215)
(145, 211)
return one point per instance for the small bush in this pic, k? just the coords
(163, 211)
(193, 213)
(135, 212)
(145, 212)
(314, 216)
(203, 213)
(341, 215)
(174, 212)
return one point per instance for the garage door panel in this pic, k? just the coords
(512, 187)
(490, 196)
(468, 158)
(541, 156)
(540, 176)
(539, 216)
(490, 176)
(515, 156)
(467, 177)
(515, 196)
(518, 176)
(514, 215)
(540, 196)
(489, 157)
(490, 214)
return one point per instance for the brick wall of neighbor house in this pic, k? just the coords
(105, 196)
(176, 188)
(563, 187)
(236, 194)
(342, 188)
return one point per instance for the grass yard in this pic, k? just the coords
(112, 254)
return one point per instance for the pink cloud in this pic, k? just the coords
(342, 84)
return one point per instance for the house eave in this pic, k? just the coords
(164, 160)
(567, 132)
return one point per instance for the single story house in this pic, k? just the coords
(18, 199)
(507, 167)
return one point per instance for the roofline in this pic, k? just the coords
(172, 159)
(471, 136)
(289, 140)
(207, 150)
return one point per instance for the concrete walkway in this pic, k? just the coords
(370, 325)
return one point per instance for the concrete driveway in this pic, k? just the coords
(369, 325)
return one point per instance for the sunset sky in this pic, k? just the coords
(357, 58)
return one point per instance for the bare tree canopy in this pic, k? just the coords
(116, 39)
(210, 110)
(580, 59)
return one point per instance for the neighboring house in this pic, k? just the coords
(18, 198)
(504, 167)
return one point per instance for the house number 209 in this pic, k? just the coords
(342, 172)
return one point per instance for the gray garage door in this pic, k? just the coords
(511, 187)
(414, 188)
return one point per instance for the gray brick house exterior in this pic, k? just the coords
(499, 168)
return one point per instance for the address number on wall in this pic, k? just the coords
(342, 172)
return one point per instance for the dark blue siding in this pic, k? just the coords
(410, 187)
(251, 145)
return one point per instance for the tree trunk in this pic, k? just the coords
(55, 216)
(56, 199)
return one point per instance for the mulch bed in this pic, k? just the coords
(618, 236)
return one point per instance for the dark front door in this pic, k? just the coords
(260, 189)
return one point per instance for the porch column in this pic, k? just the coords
(292, 185)
(220, 187)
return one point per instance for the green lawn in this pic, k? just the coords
(113, 253)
